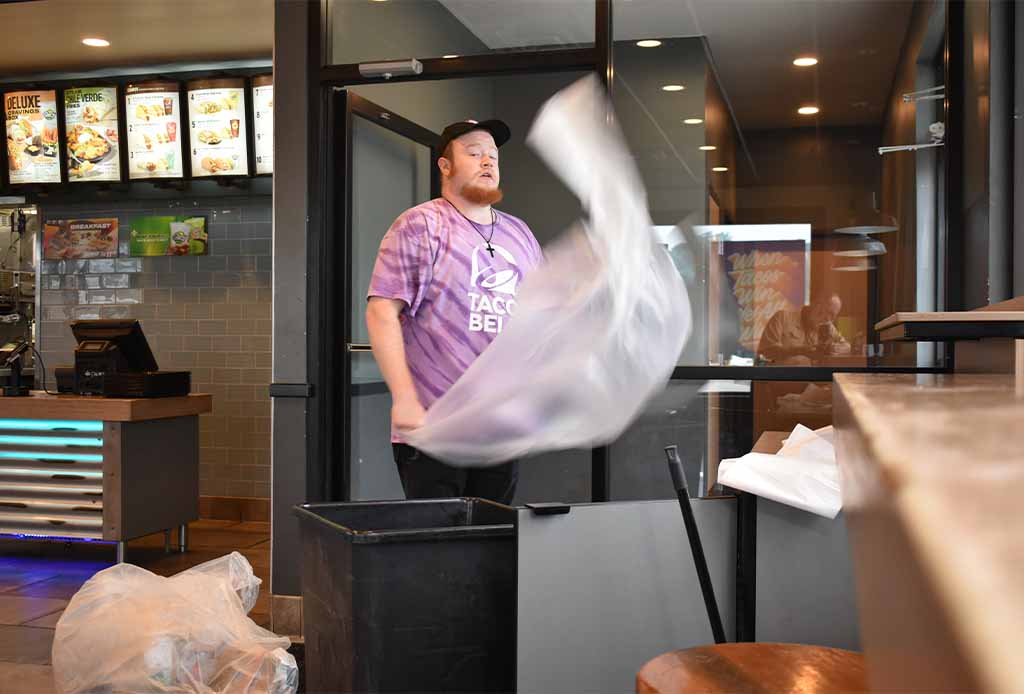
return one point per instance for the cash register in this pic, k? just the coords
(114, 360)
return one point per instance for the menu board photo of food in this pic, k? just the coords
(31, 118)
(79, 238)
(153, 115)
(90, 121)
(263, 122)
(216, 112)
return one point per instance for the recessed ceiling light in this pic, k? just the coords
(807, 110)
(673, 88)
(96, 43)
(708, 148)
(648, 43)
(449, 56)
(693, 121)
(719, 168)
(805, 62)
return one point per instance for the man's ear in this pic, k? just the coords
(444, 165)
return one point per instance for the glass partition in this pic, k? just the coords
(364, 31)
(751, 121)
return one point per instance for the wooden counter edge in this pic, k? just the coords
(950, 317)
(42, 405)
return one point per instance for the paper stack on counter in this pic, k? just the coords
(803, 474)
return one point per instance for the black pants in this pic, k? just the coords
(424, 477)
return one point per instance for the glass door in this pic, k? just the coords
(389, 163)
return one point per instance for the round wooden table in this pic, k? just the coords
(754, 668)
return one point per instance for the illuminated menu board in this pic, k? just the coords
(31, 126)
(90, 121)
(216, 114)
(153, 115)
(263, 122)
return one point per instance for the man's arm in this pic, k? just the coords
(382, 321)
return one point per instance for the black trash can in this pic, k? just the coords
(409, 596)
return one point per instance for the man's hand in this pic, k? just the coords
(407, 414)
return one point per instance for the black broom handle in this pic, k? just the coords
(675, 468)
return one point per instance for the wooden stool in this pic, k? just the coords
(754, 668)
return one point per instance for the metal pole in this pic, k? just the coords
(675, 467)
(183, 538)
(120, 552)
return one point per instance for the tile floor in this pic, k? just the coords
(37, 579)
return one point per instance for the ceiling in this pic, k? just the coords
(753, 43)
(46, 35)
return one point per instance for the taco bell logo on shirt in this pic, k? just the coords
(487, 313)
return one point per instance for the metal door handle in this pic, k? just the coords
(358, 347)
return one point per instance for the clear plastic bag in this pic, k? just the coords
(129, 630)
(598, 327)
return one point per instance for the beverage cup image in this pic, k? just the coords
(168, 105)
(179, 238)
(234, 127)
(172, 132)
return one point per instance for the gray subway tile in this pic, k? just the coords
(211, 263)
(116, 281)
(256, 247)
(156, 296)
(73, 281)
(256, 279)
(128, 265)
(226, 279)
(241, 263)
(55, 313)
(246, 295)
(171, 310)
(214, 295)
(199, 310)
(197, 343)
(211, 327)
(228, 310)
(170, 279)
(86, 312)
(184, 327)
(102, 265)
(257, 213)
(225, 247)
(130, 296)
(198, 279)
(227, 215)
(90, 282)
(185, 295)
(52, 282)
(265, 263)
(144, 280)
(115, 312)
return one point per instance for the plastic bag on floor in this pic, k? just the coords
(129, 630)
(803, 474)
(598, 327)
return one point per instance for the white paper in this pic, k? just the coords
(804, 473)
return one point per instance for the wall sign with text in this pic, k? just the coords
(263, 123)
(90, 121)
(153, 115)
(216, 113)
(31, 127)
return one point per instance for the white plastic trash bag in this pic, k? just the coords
(129, 630)
(598, 327)
(803, 474)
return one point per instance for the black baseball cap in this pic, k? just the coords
(498, 130)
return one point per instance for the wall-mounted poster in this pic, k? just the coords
(153, 115)
(90, 121)
(32, 136)
(263, 122)
(181, 235)
(216, 113)
(79, 238)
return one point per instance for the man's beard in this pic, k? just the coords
(479, 195)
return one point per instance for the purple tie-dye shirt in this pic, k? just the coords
(458, 298)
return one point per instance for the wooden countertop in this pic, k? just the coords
(42, 405)
(770, 442)
(951, 325)
(933, 480)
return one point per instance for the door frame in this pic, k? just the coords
(346, 106)
(328, 413)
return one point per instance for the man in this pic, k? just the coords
(800, 338)
(443, 287)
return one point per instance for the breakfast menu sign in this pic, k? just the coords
(216, 113)
(153, 114)
(90, 117)
(31, 118)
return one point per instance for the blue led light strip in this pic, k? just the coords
(50, 471)
(50, 425)
(50, 441)
(43, 455)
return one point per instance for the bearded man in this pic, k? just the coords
(443, 287)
